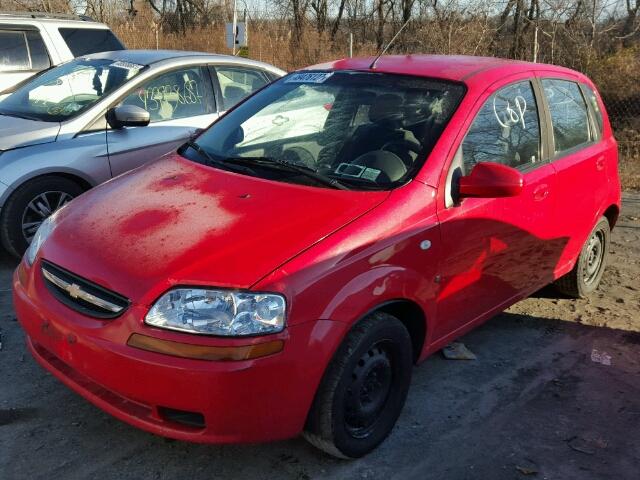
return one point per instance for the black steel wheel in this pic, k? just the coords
(587, 272)
(364, 388)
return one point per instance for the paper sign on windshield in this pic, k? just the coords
(308, 77)
(126, 65)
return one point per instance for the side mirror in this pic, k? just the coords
(128, 116)
(490, 180)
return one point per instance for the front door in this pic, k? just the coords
(180, 103)
(497, 249)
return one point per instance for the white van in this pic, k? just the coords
(32, 42)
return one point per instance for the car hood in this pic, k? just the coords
(19, 132)
(178, 222)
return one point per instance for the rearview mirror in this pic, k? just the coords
(128, 116)
(491, 180)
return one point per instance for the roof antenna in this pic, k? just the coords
(384, 50)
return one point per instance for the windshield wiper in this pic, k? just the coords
(290, 167)
(213, 162)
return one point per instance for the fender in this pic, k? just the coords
(63, 172)
(370, 290)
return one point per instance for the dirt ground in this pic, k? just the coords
(554, 393)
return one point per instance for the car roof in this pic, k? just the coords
(61, 20)
(449, 67)
(150, 57)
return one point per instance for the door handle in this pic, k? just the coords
(541, 192)
(600, 163)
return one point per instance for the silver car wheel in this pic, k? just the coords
(595, 256)
(39, 208)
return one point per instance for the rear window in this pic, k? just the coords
(84, 41)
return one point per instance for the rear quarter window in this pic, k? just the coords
(592, 98)
(84, 41)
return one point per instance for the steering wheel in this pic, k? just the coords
(79, 98)
(300, 156)
(402, 148)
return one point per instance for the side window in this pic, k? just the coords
(595, 107)
(14, 54)
(237, 83)
(506, 130)
(177, 94)
(568, 114)
(83, 41)
(39, 56)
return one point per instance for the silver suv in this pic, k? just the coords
(32, 42)
(95, 117)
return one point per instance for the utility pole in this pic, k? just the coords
(235, 25)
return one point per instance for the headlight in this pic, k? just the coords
(44, 230)
(218, 312)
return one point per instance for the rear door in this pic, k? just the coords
(496, 250)
(579, 159)
(23, 54)
(180, 103)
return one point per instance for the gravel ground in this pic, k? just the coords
(540, 401)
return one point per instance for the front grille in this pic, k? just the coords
(82, 295)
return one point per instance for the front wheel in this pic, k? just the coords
(587, 272)
(363, 390)
(29, 205)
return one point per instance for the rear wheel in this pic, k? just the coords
(29, 205)
(363, 390)
(587, 272)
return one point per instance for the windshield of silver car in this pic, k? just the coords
(67, 90)
(346, 129)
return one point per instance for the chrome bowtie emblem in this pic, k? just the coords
(74, 290)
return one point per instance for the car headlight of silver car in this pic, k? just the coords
(44, 230)
(218, 312)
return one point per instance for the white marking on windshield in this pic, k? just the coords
(308, 77)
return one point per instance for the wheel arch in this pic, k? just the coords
(412, 317)
(612, 213)
(409, 313)
(81, 180)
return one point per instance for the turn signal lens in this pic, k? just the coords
(204, 352)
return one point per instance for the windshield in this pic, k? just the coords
(65, 91)
(365, 130)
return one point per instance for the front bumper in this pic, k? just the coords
(240, 401)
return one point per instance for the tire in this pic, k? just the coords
(587, 272)
(374, 361)
(53, 192)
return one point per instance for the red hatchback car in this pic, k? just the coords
(283, 272)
